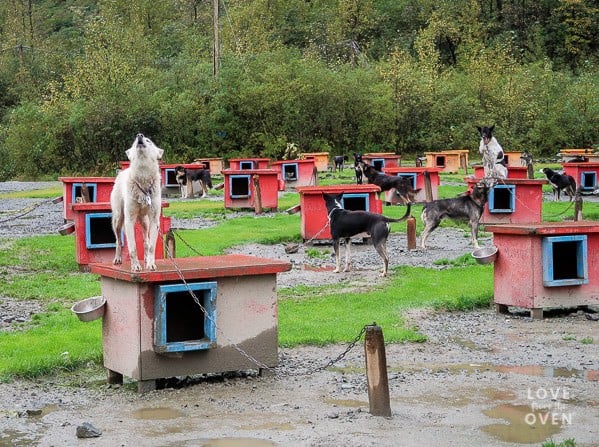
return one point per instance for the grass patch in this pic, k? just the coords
(319, 316)
(57, 341)
(571, 442)
(45, 193)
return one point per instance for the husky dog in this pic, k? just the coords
(136, 197)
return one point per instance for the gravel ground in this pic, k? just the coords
(481, 379)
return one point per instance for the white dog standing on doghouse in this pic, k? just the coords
(136, 197)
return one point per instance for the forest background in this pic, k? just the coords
(79, 78)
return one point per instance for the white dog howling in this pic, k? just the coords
(492, 153)
(136, 196)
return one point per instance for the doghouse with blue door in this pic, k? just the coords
(314, 215)
(240, 188)
(99, 189)
(546, 265)
(382, 160)
(293, 173)
(190, 316)
(94, 238)
(585, 174)
(418, 179)
(249, 163)
(512, 201)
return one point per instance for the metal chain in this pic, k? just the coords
(243, 352)
(24, 211)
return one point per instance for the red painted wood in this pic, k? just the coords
(103, 189)
(269, 188)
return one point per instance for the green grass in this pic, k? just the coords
(319, 316)
(571, 442)
(45, 193)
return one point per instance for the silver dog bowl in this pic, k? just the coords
(485, 255)
(90, 309)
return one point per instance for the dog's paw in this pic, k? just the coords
(336, 270)
(135, 266)
(151, 266)
(117, 261)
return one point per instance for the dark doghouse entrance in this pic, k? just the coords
(355, 202)
(181, 322)
(502, 199)
(565, 260)
(409, 176)
(440, 161)
(171, 177)
(240, 186)
(98, 231)
(378, 163)
(588, 180)
(290, 172)
(246, 164)
(78, 189)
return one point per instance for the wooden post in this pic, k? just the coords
(464, 163)
(530, 171)
(85, 193)
(428, 189)
(376, 372)
(258, 199)
(170, 245)
(578, 205)
(315, 176)
(411, 232)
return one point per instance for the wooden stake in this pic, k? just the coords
(411, 232)
(428, 189)
(376, 372)
(258, 199)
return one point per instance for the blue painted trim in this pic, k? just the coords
(295, 168)
(378, 162)
(171, 171)
(93, 192)
(207, 299)
(356, 196)
(246, 164)
(239, 196)
(88, 235)
(512, 192)
(582, 270)
(410, 176)
(590, 174)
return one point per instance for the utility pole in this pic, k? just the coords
(216, 52)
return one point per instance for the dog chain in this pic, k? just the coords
(25, 211)
(249, 357)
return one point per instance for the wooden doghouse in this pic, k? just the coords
(99, 189)
(154, 328)
(585, 174)
(215, 164)
(293, 173)
(240, 188)
(418, 178)
(513, 158)
(249, 163)
(512, 171)
(321, 160)
(94, 238)
(574, 155)
(382, 160)
(546, 265)
(448, 161)
(169, 175)
(314, 215)
(512, 201)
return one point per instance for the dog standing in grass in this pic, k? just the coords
(137, 197)
(345, 224)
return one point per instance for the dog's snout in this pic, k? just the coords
(140, 138)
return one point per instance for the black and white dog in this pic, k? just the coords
(403, 187)
(492, 153)
(338, 162)
(560, 182)
(357, 167)
(345, 224)
(468, 207)
(185, 178)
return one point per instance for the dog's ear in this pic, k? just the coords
(130, 154)
(492, 128)
(159, 153)
(480, 129)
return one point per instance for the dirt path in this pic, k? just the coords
(482, 379)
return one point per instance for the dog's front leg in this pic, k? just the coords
(131, 245)
(474, 231)
(336, 243)
(150, 237)
(347, 254)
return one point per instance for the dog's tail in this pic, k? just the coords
(404, 217)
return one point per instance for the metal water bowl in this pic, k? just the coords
(485, 255)
(90, 309)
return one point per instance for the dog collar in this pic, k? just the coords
(147, 194)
